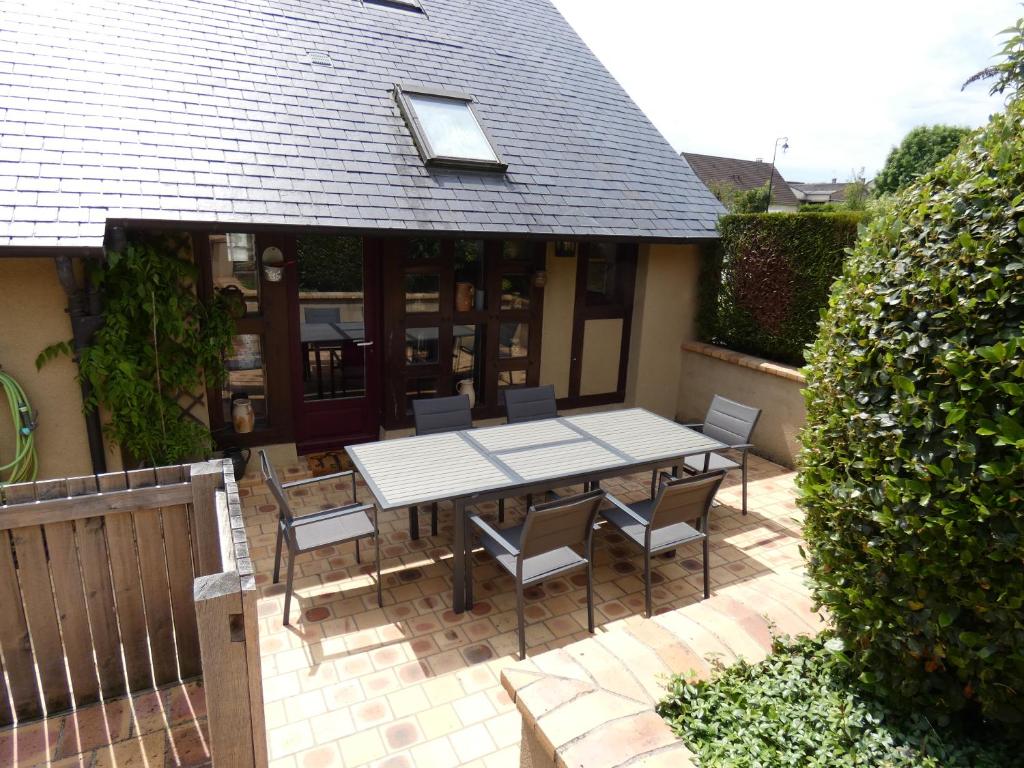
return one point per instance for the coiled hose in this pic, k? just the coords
(25, 464)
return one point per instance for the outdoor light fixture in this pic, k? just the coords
(771, 172)
(117, 239)
(565, 249)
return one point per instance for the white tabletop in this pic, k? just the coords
(419, 470)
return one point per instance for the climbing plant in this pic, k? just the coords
(159, 341)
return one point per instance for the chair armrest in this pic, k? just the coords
(625, 508)
(741, 447)
(324, 514)
(695, 427)
(320, 479)
(482, 524)
(665, 477)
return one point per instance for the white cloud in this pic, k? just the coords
(845, 81)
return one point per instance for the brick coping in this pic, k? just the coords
(746, 361)
(592, 703)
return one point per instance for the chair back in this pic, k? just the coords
(442, 414)
(566, 522)
(685, 500)
(730, 422)
(530, 404)
(274, 484)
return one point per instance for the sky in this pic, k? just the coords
(843, 81)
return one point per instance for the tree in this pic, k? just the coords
(917, 154)
(754, 200)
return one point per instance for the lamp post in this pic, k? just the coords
(771, 173)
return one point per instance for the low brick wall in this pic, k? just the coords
(707, 371)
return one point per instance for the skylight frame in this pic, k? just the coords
(420, 135)
(414, 6)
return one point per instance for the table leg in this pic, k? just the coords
(459, 558)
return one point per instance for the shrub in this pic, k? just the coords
(912, 463)
(917, 154)
(803, 706)
(763, 291)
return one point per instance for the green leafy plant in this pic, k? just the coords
(917, 154)
(158, 343)
(1009, 71)
(741, 200)
(913, 459)
(804, 706)
(763, 291)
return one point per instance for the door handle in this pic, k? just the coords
(364, 343)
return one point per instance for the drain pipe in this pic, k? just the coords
(84, 311)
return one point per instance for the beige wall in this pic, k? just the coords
(556, 331)
(664, 315)
(32, 316)
(780, 401)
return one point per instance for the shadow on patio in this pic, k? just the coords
(416, 684)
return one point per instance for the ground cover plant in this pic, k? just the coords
(804, 706)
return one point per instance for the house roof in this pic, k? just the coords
(211, 111)
(741, 174)
(824, 192)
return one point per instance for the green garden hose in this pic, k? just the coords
(22, 468)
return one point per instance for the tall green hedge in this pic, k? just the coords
(763, 290)
(912, 474)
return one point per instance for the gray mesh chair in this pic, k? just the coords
(557, 538)
(527, 404)
(432, 416)
(318, 529)
(727, 422)
(664, 522)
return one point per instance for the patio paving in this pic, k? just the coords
(350, 684)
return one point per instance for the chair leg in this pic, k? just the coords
(380, 595)
(433, 519)
(654, 483)
(501, 510)
(590, 595)
(414, 523)
(522, 624)
(469, 568)
(707, 569)
(529, 500)
(277, 554)
(647, 582)
(744, 482)
(288, 584)
(357, 552)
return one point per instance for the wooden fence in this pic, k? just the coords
(99, 578)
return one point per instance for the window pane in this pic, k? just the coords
(422, 249)
(469, 275)
(451, 128)
(331, 316)
(507, 379)
(246, 377)
(421, 346)
(468, 355)
(419, 388)
(515, 291)
(233, 263)
(514, 249)
(513, 340)
(422, 293)
(602, 275)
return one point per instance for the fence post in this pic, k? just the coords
(206, 478)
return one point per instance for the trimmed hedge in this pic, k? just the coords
(912, 474)
(762, 292)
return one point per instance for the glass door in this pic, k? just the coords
(336, 390)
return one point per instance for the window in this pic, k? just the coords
(446, 129)
(405, 5)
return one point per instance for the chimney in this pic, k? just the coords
(833, 179)
(758, 159)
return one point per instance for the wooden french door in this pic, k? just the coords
(333, 285)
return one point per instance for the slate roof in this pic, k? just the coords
(741, 174)
(211, 111)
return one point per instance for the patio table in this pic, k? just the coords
(486, 464)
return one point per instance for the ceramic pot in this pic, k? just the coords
(242, 415)
(464, 297)
(466, 388)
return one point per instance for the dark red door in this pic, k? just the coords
(334, 328)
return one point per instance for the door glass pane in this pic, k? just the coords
(507, 379)
(234, 268)
(419, 388)
(469, 275)
(247, 378)
(421, 346)
(422, 293)
(513, 340)
(515, 291)
(514, 249)
(603, 285)
(421, 249)
(468, 355)
(331, 327)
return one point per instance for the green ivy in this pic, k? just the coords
(803, 706)
(762, 292)
(158, 341)
(913, 462)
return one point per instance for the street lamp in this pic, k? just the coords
(771, 173)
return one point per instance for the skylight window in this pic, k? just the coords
(447, 130)
(405, 5)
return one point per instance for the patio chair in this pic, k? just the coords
(547, 544)
(665, 522)
(527, 404)
(727, 422)
(317, 530)
(433, 416)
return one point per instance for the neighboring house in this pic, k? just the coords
(495, 207)
(820, 193)
(743, 175)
